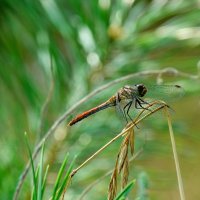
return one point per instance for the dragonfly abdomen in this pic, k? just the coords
(86, 114)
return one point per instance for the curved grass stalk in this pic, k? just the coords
(178, 171)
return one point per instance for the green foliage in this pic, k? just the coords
(60, 185)
(39, 180)
(36, 183)
(62, 168)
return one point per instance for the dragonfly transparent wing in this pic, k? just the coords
(167, 93)
(119, 109)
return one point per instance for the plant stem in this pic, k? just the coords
(178, 171)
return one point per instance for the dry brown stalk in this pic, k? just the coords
(132, 141)
(125, 173)
(122, 162)
(123, 153)
(128, 142)
(176, 161)
(112, 191)
(105, 175)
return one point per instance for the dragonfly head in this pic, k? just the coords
(142, 90)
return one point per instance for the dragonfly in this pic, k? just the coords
(130, 96)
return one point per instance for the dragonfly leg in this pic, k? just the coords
(124, 113)
(142, 101)
(127, 112)
(138, 102)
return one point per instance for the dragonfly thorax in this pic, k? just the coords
(130, 92)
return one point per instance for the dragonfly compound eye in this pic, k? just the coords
(142, 90)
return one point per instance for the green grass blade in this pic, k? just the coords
(34, 194)
(125, 191)
(32, 167)
(66, 178)
(39, 189)
(44, 180)
(59, 176)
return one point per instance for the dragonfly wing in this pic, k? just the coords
(120, 104)
(168, 93)
(118, 107)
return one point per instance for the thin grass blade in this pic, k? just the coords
(32, 167)
(44, 180)
(125, 191)
(34, 194)
(66, 179)
(40, 174)
(62, 168)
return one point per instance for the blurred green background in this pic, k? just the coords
(91, 43)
